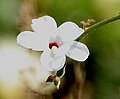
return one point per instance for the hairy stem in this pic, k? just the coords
(99, 24)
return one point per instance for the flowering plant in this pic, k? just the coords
(55, 42)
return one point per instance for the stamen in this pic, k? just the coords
(53, 44)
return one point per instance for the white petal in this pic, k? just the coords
(32, 41)
(78, 51)
(69, 31)
(51, 62)
(63, 49)
(45, 25)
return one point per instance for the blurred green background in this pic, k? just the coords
(103, 64)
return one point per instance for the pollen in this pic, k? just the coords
(53, 44)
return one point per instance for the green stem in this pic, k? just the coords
(97, 25)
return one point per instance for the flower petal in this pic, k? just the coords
(45, 25)
(63, 49)
(69, 31)
(51, 62)
(78, 51)
(32, 41)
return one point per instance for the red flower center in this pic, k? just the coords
(53, 44)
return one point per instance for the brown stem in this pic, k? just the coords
(27, 13)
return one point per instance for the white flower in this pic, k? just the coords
(55, 42)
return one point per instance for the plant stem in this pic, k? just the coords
(99, 24)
